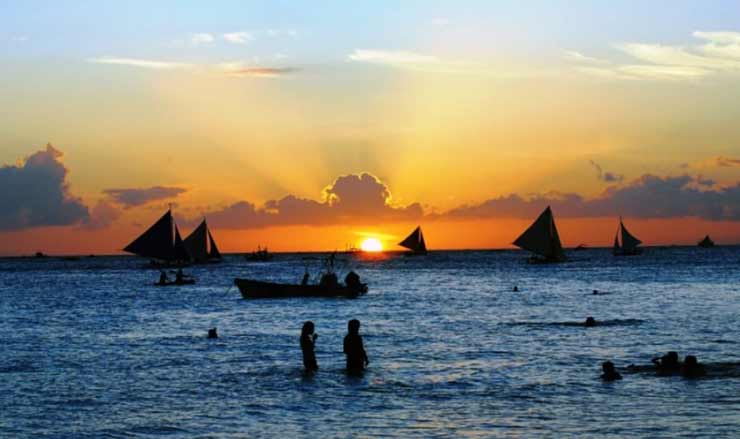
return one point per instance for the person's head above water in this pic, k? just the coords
(670, 359)
(590, 321)
(308, 328)
(607, 367)
(690, 361)
(353, 326)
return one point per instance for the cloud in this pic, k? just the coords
(573, 56)
(102, 215)
(391, 57)
(350, 199)
(131, 197)
(606, 176)
(714, 162)
(35, 193)
(262, 72)
(238, 37)
(649, 196)
(202, 38)
(143, 63)
(717, 52)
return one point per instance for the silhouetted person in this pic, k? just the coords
(306, 276)
(308, 342)
(354, 349)
(668, 364)
(590, 322)
(329, 280)
(516, 289)
(610, 373)
(596, 292)
(162, 278)
(352, 280)
(691, 368)
(212, 333)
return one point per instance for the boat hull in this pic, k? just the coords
(253, 289)
(175, 283)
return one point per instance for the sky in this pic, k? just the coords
(314, 125)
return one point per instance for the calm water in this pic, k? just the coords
(91, 349)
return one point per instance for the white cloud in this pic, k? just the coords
(238, 37)
(718, 52)
(202, 38)
(578, 57)
(392, 57)
(143, 63)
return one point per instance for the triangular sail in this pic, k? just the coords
(616, 242)
(629, 242)
(415, 241)
(214, 254)
(542, 238)
(197, 243)
(706, 242)
(181, 253)
(156, 242)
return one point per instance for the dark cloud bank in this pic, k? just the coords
(131, 197)
(36, 194)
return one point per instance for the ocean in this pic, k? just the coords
(91, 349)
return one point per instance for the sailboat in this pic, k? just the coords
(198, 242)
(542, 239)
(629, 243)
(161, 243)
(415, 243)
(706, 242)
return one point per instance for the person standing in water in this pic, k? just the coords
(308, 343)
(354, 349)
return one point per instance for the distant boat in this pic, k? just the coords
(161, 243)
(580, 247)
(259, 255)
(201, 246)
(629, 243)
(706, 242)
(542, 239)
(415, 242)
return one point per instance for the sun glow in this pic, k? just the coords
(371, 245)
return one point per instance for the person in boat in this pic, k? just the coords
(668, 364)
(691, 368)
(352, 280)
(329, 280)
(610, 373)
(162, 278)
(590, 322)
(354, 349)
(308, 343)
(306, 276)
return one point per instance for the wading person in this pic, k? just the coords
(308, 343)
(354, 349)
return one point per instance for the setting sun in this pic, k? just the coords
(371, 245)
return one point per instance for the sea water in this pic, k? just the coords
(91, 348)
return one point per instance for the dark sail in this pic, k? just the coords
(706, 242)
(629, 241)
(197, 243)
(181, 253)
(542, 238)
(214, 254)
(156, 242)
(415, 241)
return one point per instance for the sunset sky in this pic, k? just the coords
(312, 125)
